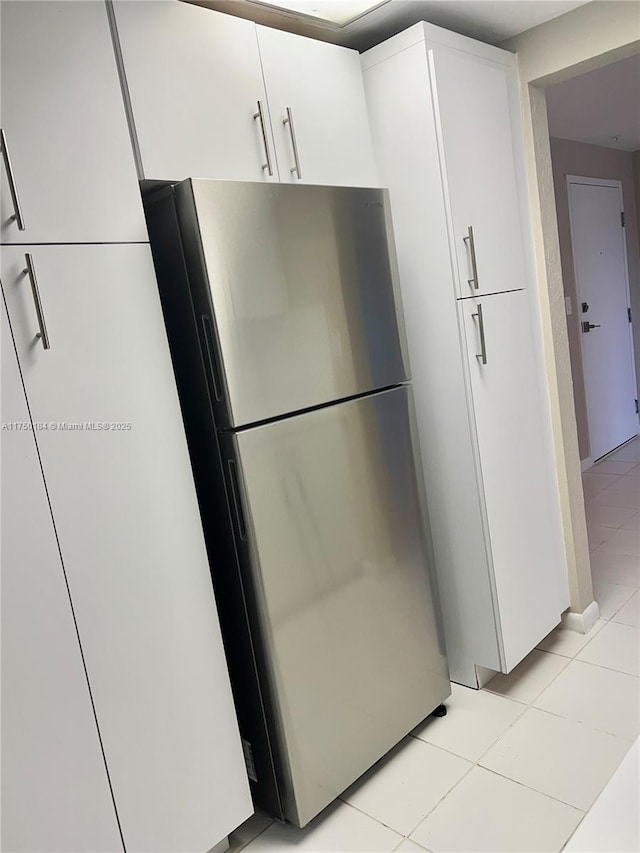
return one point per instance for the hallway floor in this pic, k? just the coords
(517, 765)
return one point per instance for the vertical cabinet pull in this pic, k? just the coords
(289, 120)
(474, 264)
(260, 115)
(17, 212)
(31, 272)
(482, 355)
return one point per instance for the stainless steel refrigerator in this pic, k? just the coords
(285, 325)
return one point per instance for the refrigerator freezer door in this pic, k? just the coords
(297, 286)
(330, 510)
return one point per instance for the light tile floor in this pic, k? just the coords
(517, 765)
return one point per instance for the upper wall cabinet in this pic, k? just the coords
(214, 96)
(194, 82)
(318, 110)
(68, 174)
(477, 110)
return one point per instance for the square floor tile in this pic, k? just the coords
(593, 481)
(601, 698)
(618, 542)
(475, 719)
(613, 466)
(610, 597)
(405, 786)
(629, 452)
(612, 823)
(339, 829)
(486, 812)
(616, 496)
(630, 613)
(615, 647)
(568, 643)
(597, 534)
(609, 516)
(529, 678)
(409, 846)
(616, 568)
(632, 523)
(566, 760)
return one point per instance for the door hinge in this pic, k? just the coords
(248, 760)
(629, 315)
(622, 218)
(637, 410)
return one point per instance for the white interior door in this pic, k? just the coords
(600, 263)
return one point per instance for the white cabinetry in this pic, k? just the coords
(118, 477)
(194, 80)
(65, 128)
(208, 94)
(477, 100)
(318, 110)
(445, 124)
(55, 790)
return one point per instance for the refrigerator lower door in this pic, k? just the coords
(329, 514)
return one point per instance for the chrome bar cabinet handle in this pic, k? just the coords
(260, 115)
(474, 264)
(289, 120)
(17, 215)
(482, 355)
(31, 272)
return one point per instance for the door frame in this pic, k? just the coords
(613, 183)
(586, 38)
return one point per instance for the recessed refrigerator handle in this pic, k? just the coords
(209, 348)
(235, 496)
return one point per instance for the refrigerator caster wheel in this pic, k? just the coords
(440, 711)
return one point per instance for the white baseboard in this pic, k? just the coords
(484, 675)
(585, 464)
(581, 622)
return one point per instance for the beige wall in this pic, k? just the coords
(586, 38)
(592, 161)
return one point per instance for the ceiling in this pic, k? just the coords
(599, 106)
(491, 21)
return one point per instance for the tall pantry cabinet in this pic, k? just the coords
(444, 115)
(119, 731)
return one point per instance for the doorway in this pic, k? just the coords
(604, 315)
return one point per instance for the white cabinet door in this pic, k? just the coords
(131, 540)
(515, 464)
(328, 135)
(194, 82)
(65, 128)
(55, 790)
(476, 113)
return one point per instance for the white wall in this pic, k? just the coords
(586, 38)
